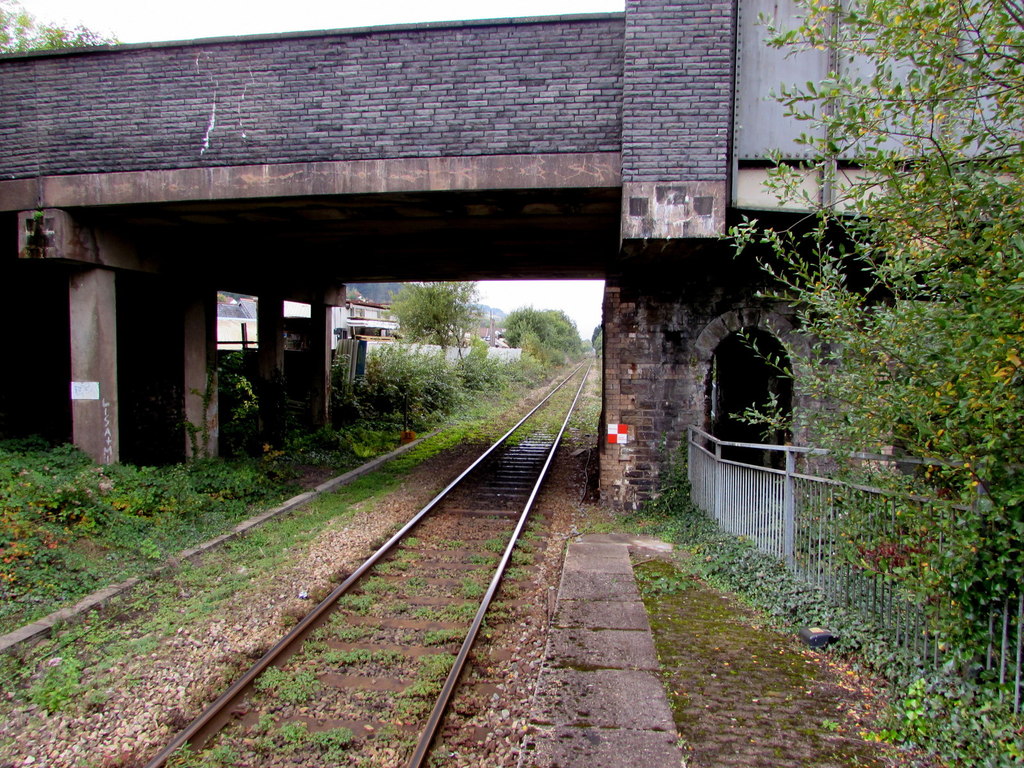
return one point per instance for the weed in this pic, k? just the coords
(521, 558)
(450, 544)
(460, 612)
(362, 656)
(59, 685)
(496, 544)
(378, 587)
(290, 687)
(442, 637)
(351, 634)
(415, 583)
(358, 604)
(472, 589)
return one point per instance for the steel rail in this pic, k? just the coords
(206, 723)
(434, 722)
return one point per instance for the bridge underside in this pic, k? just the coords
(455, 235)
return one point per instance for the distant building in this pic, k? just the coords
(358, 319)
(236, 322)
(367, 320)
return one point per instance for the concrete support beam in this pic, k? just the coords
(200, 375)
(693, 209)
(343, 177)
(94, 407)
(321, 335)
(271, 391)
(54, 234)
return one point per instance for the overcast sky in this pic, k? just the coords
(137, 21)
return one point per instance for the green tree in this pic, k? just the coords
(436, 313)
(21, 31)
(911, 280)
(547, 334)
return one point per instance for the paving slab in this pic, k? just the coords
(604, 698)
(568, 747)
(601, 614)
(607, 549)
(596, 562)
(635, 543)
(600, 702)
(601, 649)
(593, 585)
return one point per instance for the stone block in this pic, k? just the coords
(601, 614)
(567, 747)
(604, 698)
(591, 585)
(601, 649)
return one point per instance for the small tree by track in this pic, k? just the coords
(436, 313)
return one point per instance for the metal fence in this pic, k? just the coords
(804, 519)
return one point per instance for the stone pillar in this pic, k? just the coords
(94, 407)
(660, 318)
(200, 375)
(619, 406)
(271, 386)
(320, 337)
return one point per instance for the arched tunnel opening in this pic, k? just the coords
(749, 376)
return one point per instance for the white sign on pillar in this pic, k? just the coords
(85, 390)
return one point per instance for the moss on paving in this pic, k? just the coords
(743, 695)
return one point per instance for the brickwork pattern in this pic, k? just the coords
(654, 380)
(677, 90)
(437, 90)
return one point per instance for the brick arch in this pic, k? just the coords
(777, 321)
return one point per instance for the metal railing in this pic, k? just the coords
(804, 519)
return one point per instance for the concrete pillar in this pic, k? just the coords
(94, 406)
(200, 375)
(271, 386)
(320, 337)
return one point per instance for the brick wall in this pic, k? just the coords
(677, 90)
(656, 357)
(436, 90)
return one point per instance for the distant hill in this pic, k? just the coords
(486, 311)
(382, 293)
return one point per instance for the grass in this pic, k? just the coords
(296, 687)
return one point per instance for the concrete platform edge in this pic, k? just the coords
(585, 710)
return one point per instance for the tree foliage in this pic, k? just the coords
(436, 313)
(911, 280)
(548, 335)
(21, 31)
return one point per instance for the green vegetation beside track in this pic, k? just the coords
(69, 527)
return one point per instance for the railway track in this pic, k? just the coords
(366, 677)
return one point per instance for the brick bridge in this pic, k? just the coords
(137, 180)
